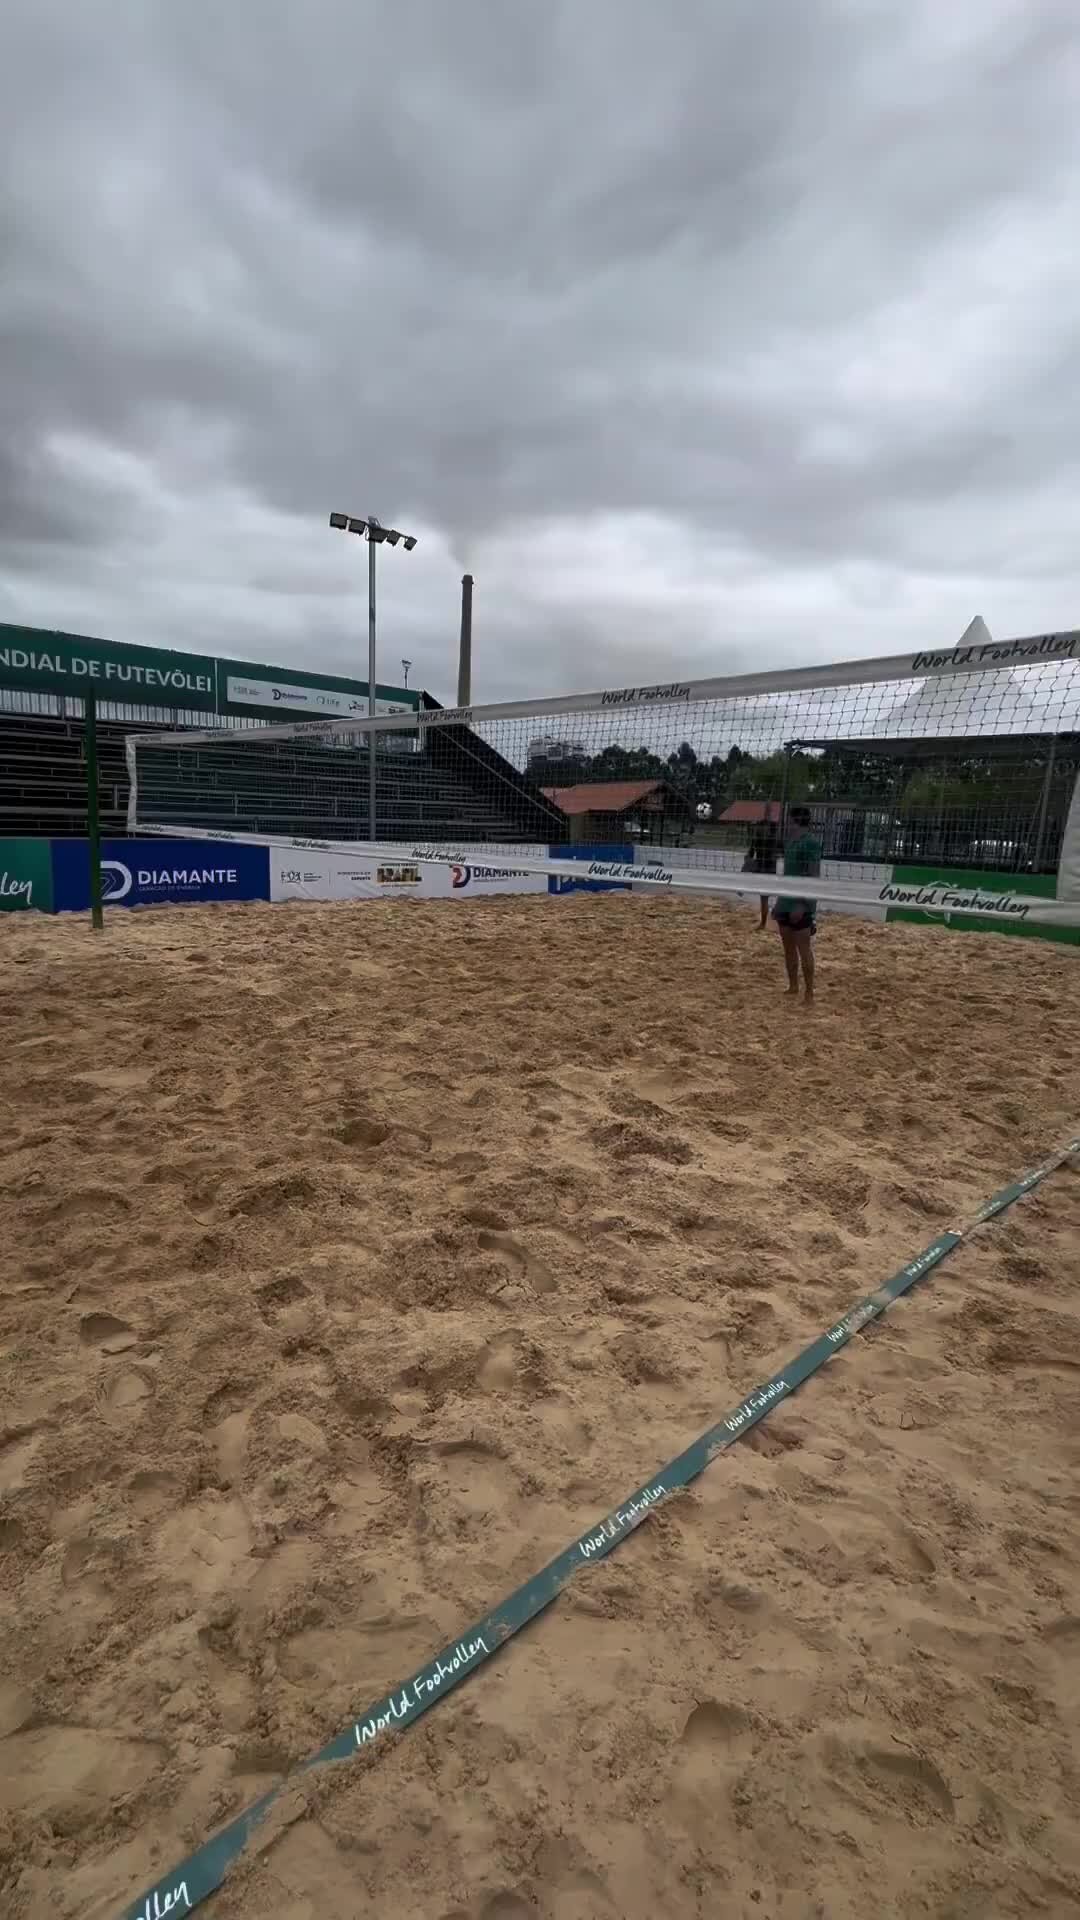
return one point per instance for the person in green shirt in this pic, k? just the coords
(797, 918)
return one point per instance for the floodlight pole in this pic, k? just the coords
(375, 533)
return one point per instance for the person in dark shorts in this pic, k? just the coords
(762, 856)
(796, 918)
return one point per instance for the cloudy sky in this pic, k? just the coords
(706, 335)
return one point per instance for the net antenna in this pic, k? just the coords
(964, 758)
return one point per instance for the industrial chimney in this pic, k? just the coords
(464, 672)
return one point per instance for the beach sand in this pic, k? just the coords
(355, 1259)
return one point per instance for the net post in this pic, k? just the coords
(93, 813)
(132, 764)
(372, 811)
(1044, 807)
(789, 749)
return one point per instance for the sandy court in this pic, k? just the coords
(355, 1258)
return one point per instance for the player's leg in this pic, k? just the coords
(804, 953)
(764, 910)
(791, 955)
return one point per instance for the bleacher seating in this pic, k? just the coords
(43, 777)
(248, 789)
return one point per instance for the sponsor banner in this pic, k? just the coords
(373, 873)
(494, 872)
(38, 661)
(296, 874)
(565, 883)
(25, 876)
(284, 694)
(153, 873)
(935, 896)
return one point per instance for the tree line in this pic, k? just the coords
(898, 781)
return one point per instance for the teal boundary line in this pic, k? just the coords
(197, 1877)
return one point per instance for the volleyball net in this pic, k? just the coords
(965, 759)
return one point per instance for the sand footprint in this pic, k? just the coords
(717, 1727)
(715, 1742)
(105, 1331)
(1063, 1638)
(908, 1781)
(521, 1262)
(276, 1296)
(206, 1543)
(16, 1708)
(362, 1132)
(124, 1396)
(498, 1369)
(507, 1905)
(99, 1204)
(230, 1438)
(17, 1450)
(152, 1490)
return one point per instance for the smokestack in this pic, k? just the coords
(464, 672)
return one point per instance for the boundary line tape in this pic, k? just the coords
(197, 1877)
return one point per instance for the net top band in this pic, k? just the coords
(1036, 650)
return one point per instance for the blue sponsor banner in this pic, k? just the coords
(154, 873)
(561, 883)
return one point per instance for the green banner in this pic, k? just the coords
(36, 661)
(943, 885)
(25, 876)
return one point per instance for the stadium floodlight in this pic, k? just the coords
(376, 534)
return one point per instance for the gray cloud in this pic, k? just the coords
(701, 335)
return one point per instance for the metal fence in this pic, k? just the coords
(991, 804)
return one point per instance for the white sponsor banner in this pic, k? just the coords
(493, 872)
(312, 873)
(329, 703)
(301, 874)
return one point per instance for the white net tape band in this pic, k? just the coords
(937, 897)
(1036, 650)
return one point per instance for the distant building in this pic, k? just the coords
(750, 813)
(551, 746)
(624, 810)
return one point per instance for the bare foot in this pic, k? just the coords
(791, 993)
